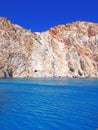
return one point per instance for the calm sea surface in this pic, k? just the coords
(48, 104)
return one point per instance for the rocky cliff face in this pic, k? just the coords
(69, 50)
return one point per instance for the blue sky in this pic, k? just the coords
(40, 15)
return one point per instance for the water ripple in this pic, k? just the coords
(42, 105)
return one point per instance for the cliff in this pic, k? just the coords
(69, 50)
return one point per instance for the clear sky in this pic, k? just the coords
(40, 15)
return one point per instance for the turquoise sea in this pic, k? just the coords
(48, 104)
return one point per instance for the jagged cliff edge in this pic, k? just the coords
(69, 50)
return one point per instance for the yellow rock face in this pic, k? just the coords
(69, 50)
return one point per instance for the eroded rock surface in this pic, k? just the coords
(69, 50)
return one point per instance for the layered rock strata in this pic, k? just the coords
(69, 50)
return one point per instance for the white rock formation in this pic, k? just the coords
(69, 50)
